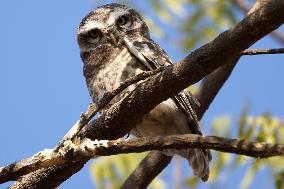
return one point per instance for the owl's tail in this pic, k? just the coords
(199, 160)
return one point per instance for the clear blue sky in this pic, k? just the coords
(43, 90)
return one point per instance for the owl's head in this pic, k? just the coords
(108, 25)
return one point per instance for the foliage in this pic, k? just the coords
(262, 128)
(199, 21)
(111, 171)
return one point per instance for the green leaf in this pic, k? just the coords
(192, 182)
(279, 180)
(161, 10)
(111, 171)
(177, 7)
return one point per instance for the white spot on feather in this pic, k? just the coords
(123, 56)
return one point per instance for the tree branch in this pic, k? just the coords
(208, 90)
(212, 83)
(242, 5)
(121, 117)
(147, 170)
(48, 178)
(242, 147)
(176, 77)
(85, 118)
(262, 51)
(88, 149)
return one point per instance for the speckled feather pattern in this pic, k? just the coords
(107, 68)
(108, 62)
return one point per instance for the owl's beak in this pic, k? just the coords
(113, 39)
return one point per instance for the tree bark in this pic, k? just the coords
(121, 117)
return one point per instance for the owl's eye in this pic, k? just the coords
(94, 33)
(121, 20)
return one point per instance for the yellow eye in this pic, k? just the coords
(94, 33)
(121, 20)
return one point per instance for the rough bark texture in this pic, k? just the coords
(243, 6)
(210, 87)
(149, 167)
(88, 149)
(119, 119)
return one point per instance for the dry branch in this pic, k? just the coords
(262, 51)
(107, 97)
(88, 149)
(242, 147)
(209, 88)
(85, 118)
(186, 72)
(154, 162)
(121, 117)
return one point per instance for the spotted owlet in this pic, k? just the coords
(115, 44)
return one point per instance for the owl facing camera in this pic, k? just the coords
(115, 45)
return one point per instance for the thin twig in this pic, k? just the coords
(85, 118)
(262, 51)
(209, 89)
(122, 116)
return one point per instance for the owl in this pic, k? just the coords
(115, 45)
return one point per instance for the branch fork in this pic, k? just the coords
(214, 61)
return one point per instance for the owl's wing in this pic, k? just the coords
(153, 57)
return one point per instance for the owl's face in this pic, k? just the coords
(109, 25)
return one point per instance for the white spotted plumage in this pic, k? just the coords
(122, 48)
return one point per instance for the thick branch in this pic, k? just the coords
(109, 96)
(208, 90)
(85, 118)
(242, 5)
(190, 70)
(48, 178)
(147, 170)
(119, 119)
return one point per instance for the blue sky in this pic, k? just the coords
(43, 90)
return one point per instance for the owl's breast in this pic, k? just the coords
(105, 71)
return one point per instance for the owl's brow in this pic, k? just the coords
(114, 15)
(91, 24)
